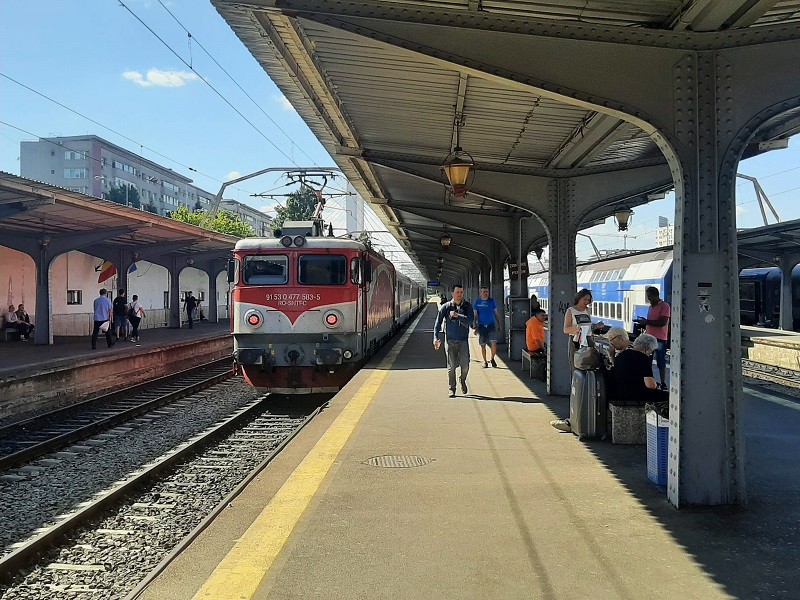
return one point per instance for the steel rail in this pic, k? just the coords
(59, 441)
(15, 561)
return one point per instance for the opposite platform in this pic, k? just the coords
(504, 506)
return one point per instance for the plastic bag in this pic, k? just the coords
(104, 326)
(587, 359)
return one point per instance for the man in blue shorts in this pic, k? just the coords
(489, 323)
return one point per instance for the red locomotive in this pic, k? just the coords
(307, 310)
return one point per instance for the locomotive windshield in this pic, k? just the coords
(266, 270)
(323, 269)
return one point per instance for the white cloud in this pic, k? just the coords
(232, 175)
(157, 77)
(285, 104)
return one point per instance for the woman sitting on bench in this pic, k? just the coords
(14, 323)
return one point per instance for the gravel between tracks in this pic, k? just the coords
(57, 482)
(113, 554)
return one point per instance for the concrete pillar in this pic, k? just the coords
(175, 305)
(123, 262)
(786, 320)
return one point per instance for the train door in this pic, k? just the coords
(634, 304)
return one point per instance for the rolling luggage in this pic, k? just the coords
(588, 406)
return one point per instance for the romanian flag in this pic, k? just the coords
(106, 270)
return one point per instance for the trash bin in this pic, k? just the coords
(657, 421)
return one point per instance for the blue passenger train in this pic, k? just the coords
(618, 285)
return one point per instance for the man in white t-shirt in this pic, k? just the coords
(135, 316)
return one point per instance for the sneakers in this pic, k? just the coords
(562, 425)
(452, 394)
(464, 387)
(494, 363)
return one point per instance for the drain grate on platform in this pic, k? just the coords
(398, 461)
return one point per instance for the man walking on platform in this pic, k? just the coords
(657, 325)
(457, 315)
(102, 314)
(489, 324)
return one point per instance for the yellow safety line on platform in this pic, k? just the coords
(243, 568)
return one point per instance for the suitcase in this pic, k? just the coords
(588, 405)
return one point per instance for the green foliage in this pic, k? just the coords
(224, 222)
(125, 194)
(300, 206)
(151, 207)
(198, 205)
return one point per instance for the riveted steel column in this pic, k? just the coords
(706, 450)
(212, 309)
(174, 292)
(786, 265)
(43, 319)
(563, 282)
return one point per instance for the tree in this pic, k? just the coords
(151, 207)
(198, 205)
(300, 206)
(124, 194)
(224, 222)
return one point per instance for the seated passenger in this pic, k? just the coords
(633, 373)
(619, 341)
(534, 331)
(14, 324)
(24, 318)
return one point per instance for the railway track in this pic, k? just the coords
(108, 545)
(22, 442)
(779, 375)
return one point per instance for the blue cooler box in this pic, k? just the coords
(657, 447)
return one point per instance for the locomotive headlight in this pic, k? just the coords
(332, 318)
(253, 318)
(286, 241)
(299, 240)
(347, 354)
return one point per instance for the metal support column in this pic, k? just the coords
(43, 321)
(175, 269)
(786, 321)
(213, 303)
(563, 283)
(706, 446)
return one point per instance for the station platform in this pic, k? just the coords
(40, 377)
(492, 502)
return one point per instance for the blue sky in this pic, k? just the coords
(96, 58)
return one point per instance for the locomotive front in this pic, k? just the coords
(297, 312)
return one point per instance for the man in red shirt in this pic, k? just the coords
(657, 325)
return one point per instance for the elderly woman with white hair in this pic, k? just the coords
(633, 372)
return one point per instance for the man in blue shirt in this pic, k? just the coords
(103, 311)
(457, 315)
(489, 323)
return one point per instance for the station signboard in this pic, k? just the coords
(513, 269)
(433, 284)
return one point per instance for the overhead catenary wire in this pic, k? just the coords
(106, 127)
(236, 83)
(217, 92)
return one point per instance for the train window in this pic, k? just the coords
(747, 291)
(619, 310)
(355, 270)
(323, 269)
(266, 270)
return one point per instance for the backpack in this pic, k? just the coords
(131, 312)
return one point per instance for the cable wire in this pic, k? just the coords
(236, 83)
(217, 92)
